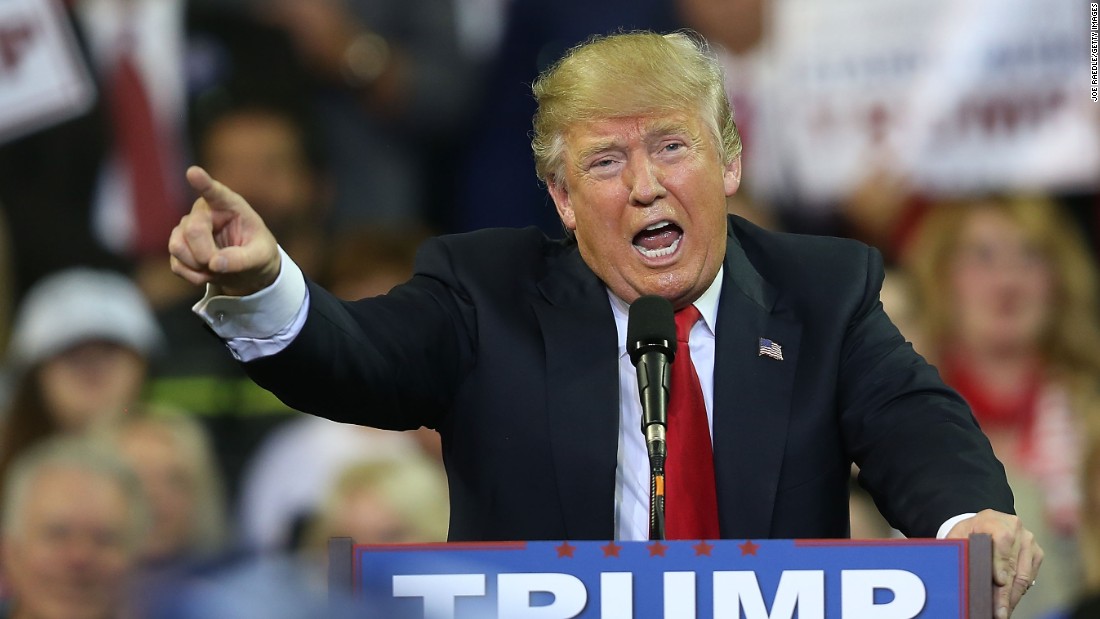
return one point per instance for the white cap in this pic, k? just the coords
(80, 305)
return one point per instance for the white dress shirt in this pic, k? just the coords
(632, 468)
(264, 323)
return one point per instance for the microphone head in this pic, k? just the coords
(650, 327)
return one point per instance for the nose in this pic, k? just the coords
(643, 178)
(81, 554)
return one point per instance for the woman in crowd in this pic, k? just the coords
(402, 500)
(78, 357)
(1087, 604)
(1008, 299)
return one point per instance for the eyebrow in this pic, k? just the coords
(659, 129)
(598, 147)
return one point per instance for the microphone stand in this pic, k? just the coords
(653, 378)
(651, 342)
(657, 496)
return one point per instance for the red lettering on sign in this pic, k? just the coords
(14, 40)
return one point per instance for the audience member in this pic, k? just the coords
(79, 351)
(74, 521)
(1008, 298)
(1087, 603)
(384, 502)
(393, 86)
(272, 150)
(172, 458)
(285, 483)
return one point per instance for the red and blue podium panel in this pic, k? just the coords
(807, 579)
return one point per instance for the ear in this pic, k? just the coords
(731, 176)
(560, 193)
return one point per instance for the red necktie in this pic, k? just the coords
(136, 138)
(691, 501)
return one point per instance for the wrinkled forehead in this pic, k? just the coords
(61, 492)
(584, 137)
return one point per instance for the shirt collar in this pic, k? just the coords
(707, 304)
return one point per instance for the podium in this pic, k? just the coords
(765, 579)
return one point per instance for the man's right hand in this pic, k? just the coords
(222, 241)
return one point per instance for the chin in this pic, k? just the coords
(678, 295)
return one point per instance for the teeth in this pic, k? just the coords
(657, 253)
(659, 224)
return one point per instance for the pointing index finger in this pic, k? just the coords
(217, 195)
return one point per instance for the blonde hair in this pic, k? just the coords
(629, 74)
(208, 527)
(413, 485)
(1071, 344)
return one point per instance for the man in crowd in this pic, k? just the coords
(512, 345)
(74, 521)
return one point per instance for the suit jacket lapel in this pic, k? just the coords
(582, 400)
(752, 396)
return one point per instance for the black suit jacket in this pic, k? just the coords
(505, 342)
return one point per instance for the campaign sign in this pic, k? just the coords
(775, 579)
(957, 97)
(43, 79)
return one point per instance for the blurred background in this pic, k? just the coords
(958, 137)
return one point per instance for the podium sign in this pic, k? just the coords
(772, 579)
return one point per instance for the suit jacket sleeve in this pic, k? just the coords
(392, 362)
(921, 454)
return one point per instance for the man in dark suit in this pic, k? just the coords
(511, 345)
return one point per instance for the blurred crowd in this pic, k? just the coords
(143, 475)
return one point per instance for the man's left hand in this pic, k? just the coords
(1016, 556)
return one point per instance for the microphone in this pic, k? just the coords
(651, 343)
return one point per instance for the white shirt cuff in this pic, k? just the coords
(263, 323)
(946, 527)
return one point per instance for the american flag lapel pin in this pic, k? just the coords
(769, 348)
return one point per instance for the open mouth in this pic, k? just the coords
(659, 239)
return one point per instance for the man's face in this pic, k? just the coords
(170, 482)
(646, 198)
(260, 155)
(69, 557)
